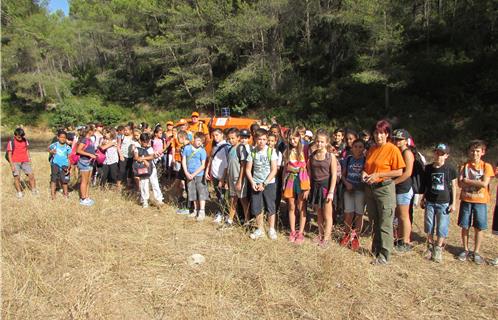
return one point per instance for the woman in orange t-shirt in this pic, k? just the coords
(384, 162)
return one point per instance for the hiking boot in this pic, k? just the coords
(463, 256)
(438, 254)
(403, 248)
(299, 238)
(428, 253)
(478, 259)
(379, 261)
(258, 233)
(355, 243)
(272, 234)
(201, 216)
(292, 236)
(345, 240)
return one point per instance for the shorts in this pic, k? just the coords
(437, 215)
(475, 214)
(57, 174)
(24, 166)
(197, 189)
(404, 199)
(233, 190)
(126, 169)
(264, 199)
(354, 201)
(85, 165)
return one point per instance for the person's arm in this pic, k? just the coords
(207, 173)
(378, 175)
(184, 167)
(81, 151)
(477, 183)
(453, 195)
(241, 175)
(333, 178)
(202, 167)
(407, 173)
(347, 184)
(273, 172)
(249, 175)
(105, 146)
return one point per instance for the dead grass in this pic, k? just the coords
(118, 261)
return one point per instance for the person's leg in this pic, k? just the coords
(359, 210)
(53, 186)
(85, 176)
(320, 221)
(156, 189)
(245, 207)
(104, 178)
(144, 190)
(385, 203)
(233, 208)
(443, 222)
(17, 183)
(429, 221)
(358, 223)
(291, 209)
(328, 221)
(404, 224)
(464, 221)
(113, 173)
(348, 221)
(32, 181)
(373, 215)
(301, 205)
(480, 223)
(269, 195)
(256, 208)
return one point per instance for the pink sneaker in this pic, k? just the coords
(317, 239)
(345, 240)
(355, 243)
(299, 238)
(292, 236)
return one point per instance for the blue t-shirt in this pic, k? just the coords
(194, 158)
(90, 149)
(354, 167)
(61, 155)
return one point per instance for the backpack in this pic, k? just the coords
(139, 168)
(269, 152)
(12, 146)
(74, 157)
(418, 173)
(226, 147)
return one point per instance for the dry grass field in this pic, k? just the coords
(116, 260)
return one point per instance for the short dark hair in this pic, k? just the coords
(199, 135)
(475, 144)
(19, 132)
(260, 132)
(61, 132)
(144, 137)
(233, 130)
(361, 141)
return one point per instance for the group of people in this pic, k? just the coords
(252, 170)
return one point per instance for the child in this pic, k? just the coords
(193, 164)
(296, 183)
(145, 154)
(338, 142)
(272, 143)
(86, 150)
(19, 158)
(354, 194)
(126, 157)
(179, 143)
(59, 164)
(323, 173)
(216, 171)
(135, 143)
(237, 182)
(160, 145)
(97, 141)
(474, 181)
(439, 199)
(110, 169)
(261, 168)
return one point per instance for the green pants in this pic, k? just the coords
(381, 202)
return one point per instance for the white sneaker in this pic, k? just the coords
(272, 234)
(218, 218)
(183, 211)
(145, 204)
(201, 216)
(86, 202)
(258, 233)
(19, 195)
(192, 215)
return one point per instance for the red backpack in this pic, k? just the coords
(74, 157)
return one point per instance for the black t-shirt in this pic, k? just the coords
(406, 185)
(438, 183)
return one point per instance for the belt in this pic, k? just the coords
(381, 184)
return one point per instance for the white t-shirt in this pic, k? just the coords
(261, 165)
(111, 154)
(219, 160)
(126, 147)
(149, 151)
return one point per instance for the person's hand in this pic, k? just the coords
(422, 203)
(238, 186)
(255, 186)
(372, 178)
(306, 194)
(121, 158)
(330, 197)
(53, 151)
(92, 156)
(451, 208)
(146, 163)
(189, 176)
(221, 183)
(208, 176)
(13, 167)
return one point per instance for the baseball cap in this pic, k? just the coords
(309, 133)
(181, 122)
(401, 134)
(443, 147)
(195, 114)
(169, 123)
(244, 133)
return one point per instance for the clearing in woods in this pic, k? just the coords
(118, 261)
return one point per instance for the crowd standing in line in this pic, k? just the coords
(343, 175)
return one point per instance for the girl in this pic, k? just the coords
(404, 193)
(323, 172)
(135, 143)
(351, 137)
(145, 154)
(296, 184)
(354, 195)
(125, 157)
(272, 143)
(160, 146)
(110, 169)
(86, 150)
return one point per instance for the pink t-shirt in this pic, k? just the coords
(158, 145)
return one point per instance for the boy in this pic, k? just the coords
(193, 164)
(178, 144)
(20, 160)
(272, 143)
(474, 181)
(59, 163)
(145, 154)
(260, 171)
(439, 200)
(216, 171)
(237, 182)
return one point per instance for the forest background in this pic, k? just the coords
(430, 66)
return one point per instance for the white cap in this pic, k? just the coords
(308, 133)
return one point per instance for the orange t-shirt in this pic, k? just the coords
(473, 171)
(194, 127)
(178, 146)
(383, 159)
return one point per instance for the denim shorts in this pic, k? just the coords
(475, 214)
(437, 215)
(404, 199)
(85, 166)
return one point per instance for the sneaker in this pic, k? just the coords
(201, 216)
(86, 202)
(463, 256)
(258, 233)
(438, 254)
(218, 218)
(145, 204)
(345, 240)
(292, 236)
(429, 251)
(35, 192)
(192, 215)
(324, 244)
(317, 239)
(19, 195)
(355, 243)
(299, 238)
(478, 259)
(494, 262)
(379, 261)
(272, 234)
(403, 248)
(183, 211)
(90, 201)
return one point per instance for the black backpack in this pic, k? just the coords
(12, 145)
(418, 173)
(139, 168)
